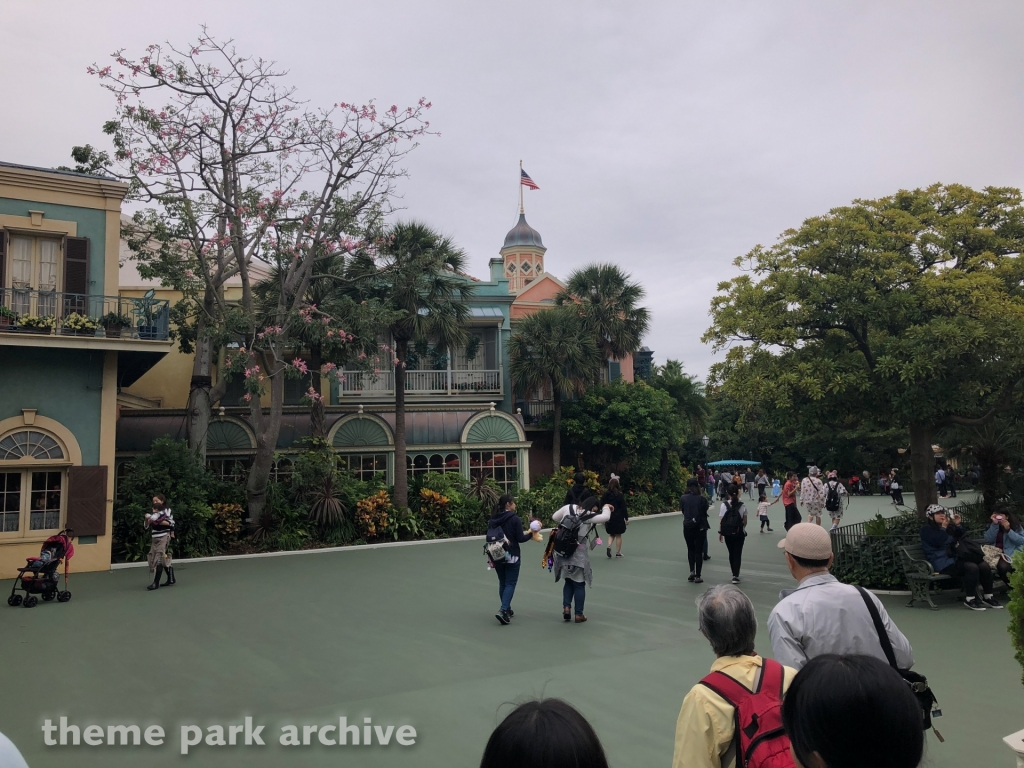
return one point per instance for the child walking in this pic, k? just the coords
(762, 511)
(160, 523)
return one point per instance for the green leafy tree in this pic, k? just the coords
(609, 304)
(905, 311)
(691, 405)
(553, 348)
(416, 275)
(624, 424)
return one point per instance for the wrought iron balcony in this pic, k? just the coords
(446, 382)
(25, 310)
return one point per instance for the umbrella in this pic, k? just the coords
(733, 463)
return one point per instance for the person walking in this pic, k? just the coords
(940, 481)
(706, 729)
(711, 483)
(762, 511)
(749, 477)
(789, 500)
(761, 482)
(616, 526)
(812, 495)
(694, 506)
(823, 615)
(732, 529)
(160, 523)
(834, 492)
(505, 528)
(896, 488)
(576, 567)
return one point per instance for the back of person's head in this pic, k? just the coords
(693, 485)
(579, 478)
(734, 492)
(613, 485)
(548, 733)
(503, 501)
(852, 711)
(726, 618)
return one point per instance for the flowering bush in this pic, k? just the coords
(77, 322)
(33, 321)
(373, 515)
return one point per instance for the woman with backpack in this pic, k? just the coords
(571, 551)
(620, 517)
(834, 492)
(504, 535)
(732, 524)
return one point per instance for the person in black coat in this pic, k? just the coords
(694, 506)
(620, 517)
(506, 518)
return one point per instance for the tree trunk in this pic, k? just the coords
(922, 466)
(267, 427)
(199, 402)
(664, 466)
(401, 499)
(990, 474)
(317, 416)
(556, 435)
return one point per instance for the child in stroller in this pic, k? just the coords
(40, 577)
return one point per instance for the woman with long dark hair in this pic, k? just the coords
(616, 526)
(544, 734)
(732, 528)
(1006, 535)
(852, 711)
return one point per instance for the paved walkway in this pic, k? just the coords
(407, 635)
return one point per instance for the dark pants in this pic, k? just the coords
(765, 523)
(508, 577)
(1003, 570)
(971, 574)
(734, 543)
(951, 488)
(577, 589)
(792, 516)
(897, 496)
(696, 546)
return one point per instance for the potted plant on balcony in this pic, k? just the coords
(8, 317)
(76, 324)
(147, 315)
(113, 322)
(36, 324)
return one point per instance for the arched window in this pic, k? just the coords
(31, 493)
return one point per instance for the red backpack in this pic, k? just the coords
(761, 741)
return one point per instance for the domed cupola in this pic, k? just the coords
(522, 234)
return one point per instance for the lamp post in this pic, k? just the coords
(707, 456)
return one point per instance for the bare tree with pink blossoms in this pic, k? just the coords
(243, 181)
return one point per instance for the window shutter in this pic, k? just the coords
(76, 265)
(87, 501)
(3, 260)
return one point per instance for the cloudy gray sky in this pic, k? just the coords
(667, 136)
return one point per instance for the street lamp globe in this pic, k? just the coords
(705, 440)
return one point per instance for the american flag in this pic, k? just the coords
(527, 181)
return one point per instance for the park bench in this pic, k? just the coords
(921, 576)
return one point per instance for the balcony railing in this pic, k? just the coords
(535, 410)
(368, 384)
(75, 314)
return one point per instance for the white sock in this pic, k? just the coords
(988, 597)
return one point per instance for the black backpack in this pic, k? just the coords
(567, 535)
(832, 501)
(732, 521)
(496, 543)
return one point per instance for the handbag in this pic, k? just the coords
(993, 555)
(966, 549)
(918, 683)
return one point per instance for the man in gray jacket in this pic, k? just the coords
(823, 615)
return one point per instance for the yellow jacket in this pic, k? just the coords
(706, 725)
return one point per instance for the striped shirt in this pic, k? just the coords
(160, 523)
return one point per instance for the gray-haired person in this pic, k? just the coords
(706, 728)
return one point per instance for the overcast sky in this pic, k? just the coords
(669, 137)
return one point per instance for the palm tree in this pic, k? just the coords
(691, 405)
(608, 301)
(416, 274)
(553, 347)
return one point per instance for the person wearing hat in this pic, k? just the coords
(812, 495)
(939, 538)
(823, 615)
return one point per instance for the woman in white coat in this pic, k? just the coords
(576, 568)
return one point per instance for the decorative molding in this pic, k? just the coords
(360, 430)
(56, 430)
(37, 218)
(29, 416)
(493, 427)
(227, 434)
(45, 186)
(30, 224)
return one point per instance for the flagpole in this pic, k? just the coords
(522, 211)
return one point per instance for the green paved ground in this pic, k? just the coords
(407, 635)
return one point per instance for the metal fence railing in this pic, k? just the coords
(24, 310)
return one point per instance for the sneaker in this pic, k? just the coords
(609, 550)
(698, 580)
(618, 554)
(771, 530)
(502, 617)
(691, 577)
(511, 613)
(974, 605)
(707, 557)
(991, 602)
(735, 579)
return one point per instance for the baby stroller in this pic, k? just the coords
(39, 576)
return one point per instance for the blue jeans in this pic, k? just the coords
(508, 577)
(574, 588)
